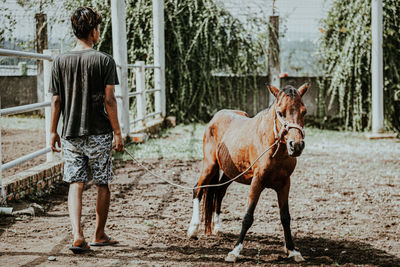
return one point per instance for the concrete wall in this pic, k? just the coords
(255, 102)
(17, 90)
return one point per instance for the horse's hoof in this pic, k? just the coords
(298, 258)
(295, 255)
(192, 231)
(217, 230)
(231, 257)
(234, 254)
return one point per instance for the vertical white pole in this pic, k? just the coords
(159, 55)
(3, 190)
(120, 54)
(47, 97)
(140, 88)
(377, 67)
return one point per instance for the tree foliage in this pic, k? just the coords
(345, 48)
(201, 40)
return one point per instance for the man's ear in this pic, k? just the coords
(303, 89)
(273, 90)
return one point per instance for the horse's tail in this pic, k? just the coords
(209, 203)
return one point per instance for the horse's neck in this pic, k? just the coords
(265, 125)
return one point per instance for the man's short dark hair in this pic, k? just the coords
(84, 20)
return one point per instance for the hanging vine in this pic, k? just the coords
(345, 48)
(201, 40)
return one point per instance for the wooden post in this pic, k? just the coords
(41, 45)
(159, 56)
(47, 97)
(140, 88)
(273, 54)
(377, 67)
(118, 18)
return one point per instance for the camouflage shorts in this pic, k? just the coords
(87, 157)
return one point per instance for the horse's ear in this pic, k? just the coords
(303, 89)
(273, 90)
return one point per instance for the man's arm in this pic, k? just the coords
(55, 116)
(111, 107)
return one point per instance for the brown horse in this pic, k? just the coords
(232, 142)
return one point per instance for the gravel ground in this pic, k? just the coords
(344, 203)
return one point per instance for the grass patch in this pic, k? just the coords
(186, 142)
(182, 142)
(22, 122)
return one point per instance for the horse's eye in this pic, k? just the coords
(280, 114)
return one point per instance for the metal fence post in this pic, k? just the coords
(118, 18)
(47, 96)
(377, 66)
(3, 190)
(140, 88)
(159, 56)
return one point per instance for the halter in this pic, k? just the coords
(286, 126)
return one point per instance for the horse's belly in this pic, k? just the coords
(228, 166)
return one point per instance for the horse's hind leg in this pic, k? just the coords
(255, 192)
(208, 173)
(220, 195)
(283, 195)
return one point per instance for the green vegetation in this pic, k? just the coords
(22, 122)
(182, 142)
(345, 49)
(201, 40)
(186, 142)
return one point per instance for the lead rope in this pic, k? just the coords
(278, 136)
(203, 186)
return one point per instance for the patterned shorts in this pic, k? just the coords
(88, 157)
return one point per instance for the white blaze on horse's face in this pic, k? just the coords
(291, 109)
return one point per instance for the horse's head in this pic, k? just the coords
(289, 114)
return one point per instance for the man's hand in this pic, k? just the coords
(119, 142)
(55, 139)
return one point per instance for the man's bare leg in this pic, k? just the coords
(75, 211)
(102, 207)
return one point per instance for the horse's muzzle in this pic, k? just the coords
(295, 148)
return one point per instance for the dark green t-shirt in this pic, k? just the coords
(80, 79)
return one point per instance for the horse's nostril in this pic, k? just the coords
(302, 145)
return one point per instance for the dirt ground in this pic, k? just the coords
(20, 142)
(344, 204)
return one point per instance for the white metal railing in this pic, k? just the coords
(141, 93)
(47, 57)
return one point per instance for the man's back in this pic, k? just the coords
(79, 78)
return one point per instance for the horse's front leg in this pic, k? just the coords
(248, 219)
(283, 200)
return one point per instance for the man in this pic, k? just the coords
(82, 85)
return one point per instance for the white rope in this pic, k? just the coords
(203, 186)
